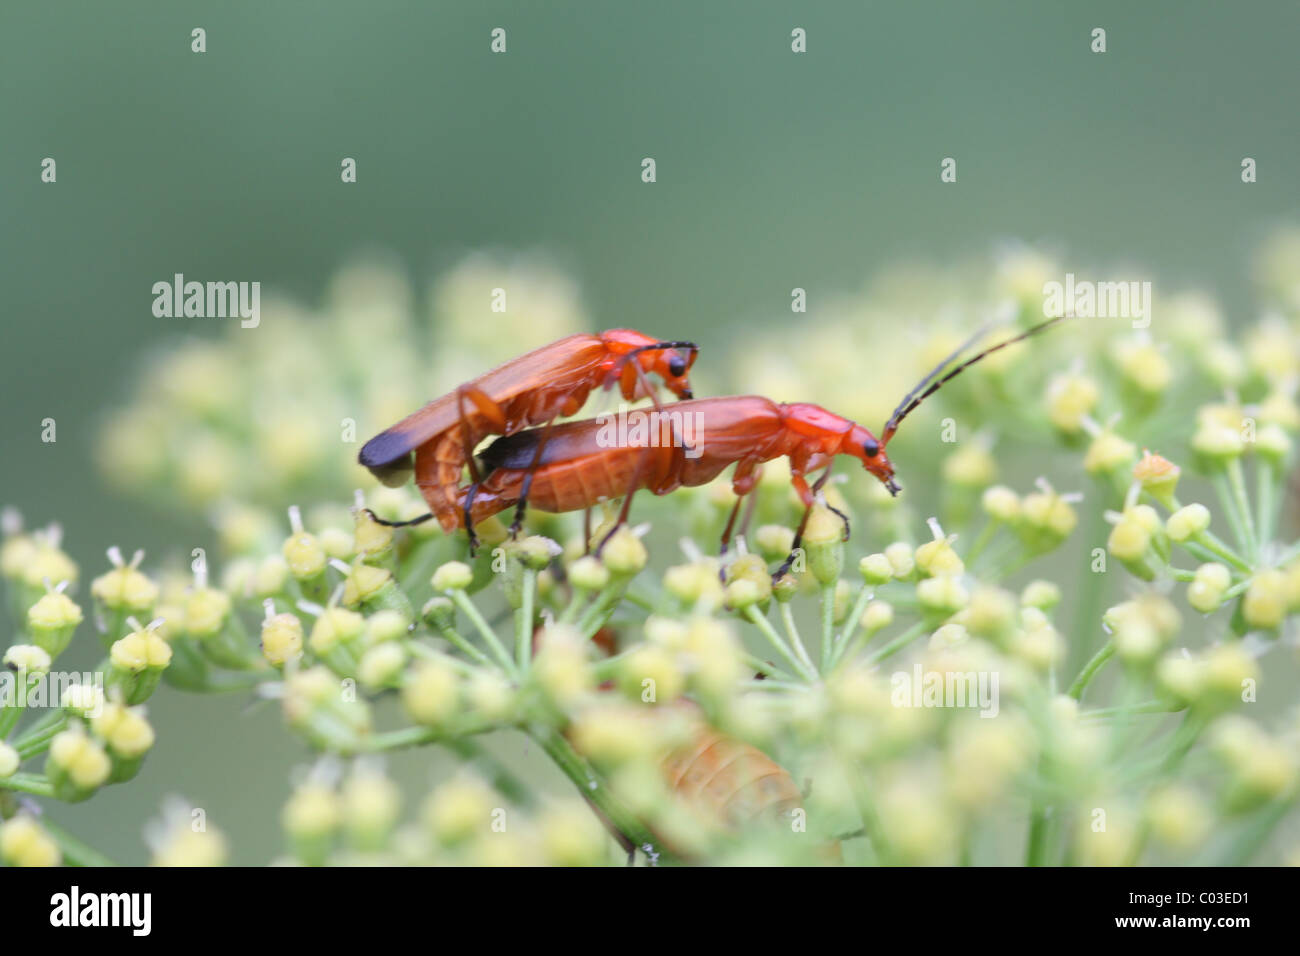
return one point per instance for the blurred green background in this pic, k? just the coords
(775, 170)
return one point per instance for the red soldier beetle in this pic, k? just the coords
(575, 470)
(533, 389)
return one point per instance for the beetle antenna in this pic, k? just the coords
(930, 384)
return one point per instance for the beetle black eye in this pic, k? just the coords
(677, 366)
(871, 448)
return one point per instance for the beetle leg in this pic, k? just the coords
(485, 406)
(469, 517)
(809, 497)
(527, 483)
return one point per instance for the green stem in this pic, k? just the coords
(1090, 670)
(467, 608)
(897, 644)
(594, 618)
(1243, 850)
(524, 622)
(851, 625)
(75, 852)
(828, 626)
(577, 598)
(1237, 484)
(36, 784)
(1209, 547)
(756, 618)
(981, 541)
(796, 641)
(1267, 478)
(598, 794)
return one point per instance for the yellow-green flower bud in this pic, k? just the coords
(1217, 443)
(1047, 518)
(901, 559)
(692, 583)
(77, 765)
(27, 659)
(439, 613)
(281, 639)
(535, 552)
(744, 593)
(369, 585)
(784, 588)
(1041, 594)
(182, 846)
(715, 653)
(24, 842)
(453, 576)
(1001, 503)
(431, 692)
(381, 666)
(1142, 627)
(459, 809)
(491, 696)
(126, 590)
(84, 700)
(311, 817)
(843, 598)
(371, 804)
(1279, 408)
(51, 622)
(1205, 592)
(588, 574)
(876, 616)
(305, 555)
(137, 662)
(337, 544)
(561, 666)
(206, 612)
(1145, 367)
(385, 626)
(1159, 477)
(876, 569)
(937, 557)
(774, 541)
(1273, 444)
(1070, 398)
(9, 760)
(1178, 818)
(371, 539)
(334, 627)
(971, 465)
(823, 543)
(991, 614)
(125, 730)
(1228, 669)
(651, 674)
(1130, 538)
(948, 636)
(1266, 601)
(624, 554)
(1040, 646)
(572, 836)
(1108, 452)
(1188, 522)
(942, 595)
(1181, 677)
(270, 577)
